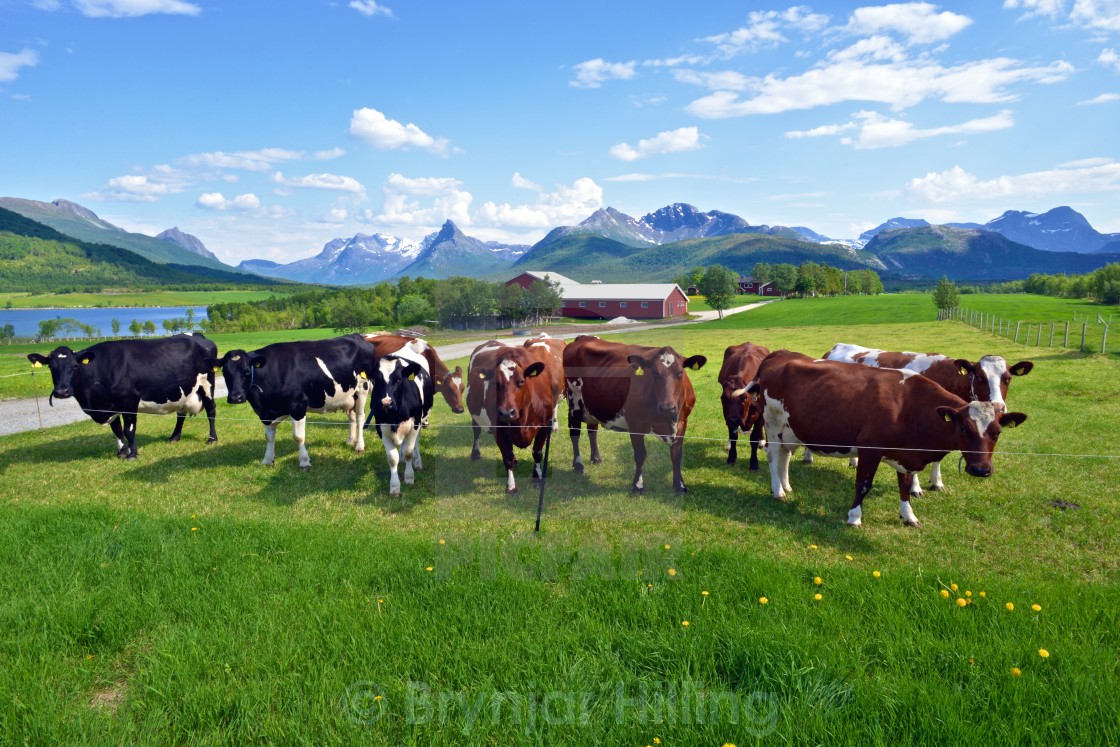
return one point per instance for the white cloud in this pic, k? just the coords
(1109, 58)
(320, 181)
(1036, 7)
(10, 64)
(337, 215)
(522, 183)
(217, 201)
(133, 8)
(565, 206)
(899, 85)
(444, 199)
(728, 80)
(593, 73)
(134, 188)
(874, 48)
(920, 23)
(877, 131)
(956, 184)
(670, 141)
(328, 155)
(371, 8)
(645, 177)
(374, 128)
(764, 30)
(1104, 98)
(1100, 15)
(262, 159)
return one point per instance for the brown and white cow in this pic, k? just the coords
(741, 411)
(630, 388)
(447, 382)
(985, 380)
(512, 392)
(879, 415)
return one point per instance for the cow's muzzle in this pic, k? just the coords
(235, 399)
(63, 393)
(979, 470)
(670, 410)
(507, 415)
(458, 410)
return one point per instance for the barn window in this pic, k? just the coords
(645, 304)
(622, 304)
(583, 304)
(602, 304)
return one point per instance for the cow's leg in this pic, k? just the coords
(211, 416)
(299, 433)
(476, 430)
(756, 439)
(392, 454)
(130, 433)
(575, 422)
(538, 454)
(865, 478)
(853, 462)
(593, 439)
(638, 441)
(269, 444)
(785, 456)
(676, 455)
(410, 445)
(509, 461)
(732, 443)
(176, 434)
(417, 462)
(774, 453)
(118, 431)
(915, 486)
(357, 432)
(935, 477)
(806, 456)
(905, 512)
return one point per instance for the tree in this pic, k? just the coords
(412, 309)
(190, 320)
(690, 279)
(149, 327)
(784, 277)
(544, 299)
(135, 328)
(9, 332)
(116, 325)
(945, 295)
(761, 272)
(169, 326)
(718, 286)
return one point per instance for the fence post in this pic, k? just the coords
(1038, 341)
(1027, 339)
(1065, 342)
(1016, 330)
(1051, 335)
(1104, 338)
(1083, 326)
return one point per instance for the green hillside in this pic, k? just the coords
(586, 258)
(74, 220)
(37, 258)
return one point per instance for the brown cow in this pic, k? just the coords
(876, 414)
(448, 383)
(743, 412)
(985, 380)
(633, 389)
(512, 392)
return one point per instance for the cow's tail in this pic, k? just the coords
(50, 399)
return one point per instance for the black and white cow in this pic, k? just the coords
(402, 396)
(289, 379)
(115, 380)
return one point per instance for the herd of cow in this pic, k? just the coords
(906, 409)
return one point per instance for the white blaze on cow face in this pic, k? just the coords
(994, 368)
(982, 414)
(668, 359)
(507, 367)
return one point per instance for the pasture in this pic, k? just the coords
(195, 595)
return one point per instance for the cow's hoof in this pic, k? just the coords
(731, 461)
(305, 468)
(511, 491)
(394, 493)
(362, 450)
(754, 467)
(914, 523)
(938, 488)
(681, 488)
(211, 440)
(596, 459)
(131, 457)
(578, 467)
(475, 456)
(173, 439)
(639, 491)
(122, 454)
(267, 464)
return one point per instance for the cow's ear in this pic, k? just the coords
(695, 363)
(964, 366)
(214, 364)
(257, 361)
(85, 357)
(38, 360)
(637, 363)
(458, 372)
(484, 375)
(534, 370)
(1022, 368)
(1011, 419)
(948, 414)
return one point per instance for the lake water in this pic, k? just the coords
(26, 321)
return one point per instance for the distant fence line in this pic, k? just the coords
(1083, 331)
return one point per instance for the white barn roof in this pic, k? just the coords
(553, 276)
(613, 291)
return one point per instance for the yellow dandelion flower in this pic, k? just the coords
(818, 580)
(848, 557)
(666, 545)
(961, 601)
(983, 595)
(672, 572)
(429, 569)
(194, 529)
(1015, 671)
(1010, 606)
(953, 587)
(381, 601)
(649, 586)
(443, 541)
(818, 597)
(704, 593)
(656, 740)
(812, 547)
(1036, 607)
(1044, 653)
(763, 600)
(728, 744)
(944, 593)
(192, 516)
(377, 697)
(876, 574)
(684, 623)
(967, 593)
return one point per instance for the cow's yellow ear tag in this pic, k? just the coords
(639, 371)
(85, 361)
(36, 364)
(217, 369)
(363, 374)
(412, 377)
(948, 418)
(695, 366)
(963, 371)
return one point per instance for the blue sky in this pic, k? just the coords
(267, 129)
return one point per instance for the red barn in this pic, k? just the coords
(597, 300)
(754, 287)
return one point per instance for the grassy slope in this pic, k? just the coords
(123, 624)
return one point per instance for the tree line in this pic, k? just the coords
(806, 279)
(457, 301)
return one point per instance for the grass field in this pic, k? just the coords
(1033, 312)
(195, 595)
(138, 298)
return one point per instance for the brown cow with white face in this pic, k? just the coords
(630, 388)
(985, 380)
(879, 415)
(741, 411)
(512, 392)
(447, 382)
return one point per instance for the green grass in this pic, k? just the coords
(1029, 314)
(195, 595)
(136, 298)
